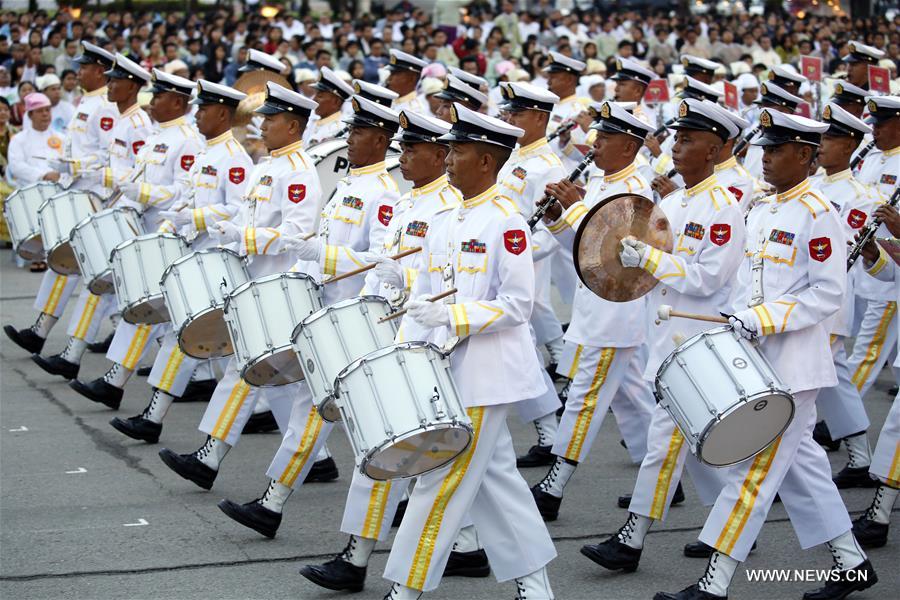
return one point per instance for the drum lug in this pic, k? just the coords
(437, 404)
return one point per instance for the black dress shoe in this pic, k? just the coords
(253, 515)
(398, 515)
(263, 422)
(138, 428)
(143, 371)
(863, 577)
(322, 471)
(189, 467)
(56, 365)
(101, 347)
(870, 534)
(689, 593)
(99, 391)
(25, 338)
(677, 497)
(894, 389)
(613, 555)
(822, 436)
(547, 504)
(851, 477)
(537, 456)
(701, 550)
(468, 564)
(198, 391)
(336, 574)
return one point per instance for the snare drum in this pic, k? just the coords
(137, 266)
(94, 238)
(261, 315)
(194, 288)
(58, 215)
(724, 396)
(21, 212)
(330, 339)
(402, 412)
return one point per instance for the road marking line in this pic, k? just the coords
(140, 523)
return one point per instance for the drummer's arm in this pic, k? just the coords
(712, 268)
(335, 259)
(298, 194)
(409, 330)
(204, 217)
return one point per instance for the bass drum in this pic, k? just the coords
(330, 158)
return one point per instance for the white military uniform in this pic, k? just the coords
(566, 110)
(487, 248)
(322, 128)
(708, 226)
(602, 342)
(213, 191)
(877, 336)
(411, 102)
(798, 235)
(281, 202)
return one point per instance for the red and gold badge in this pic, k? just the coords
(296, 192)
(720, 234)
(515, 241)
(385, 213)
(820, 249)
(236, 174)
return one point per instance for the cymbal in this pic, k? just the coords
(254, 85)
(597, 245)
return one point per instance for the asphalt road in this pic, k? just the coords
(88, 513)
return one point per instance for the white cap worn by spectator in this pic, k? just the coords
(518, 75)
(375, 93)
(176, 66)
(430, 85)
(595, 67)
(304, 76)
(746, 81)
(739, 67)
(45, 81)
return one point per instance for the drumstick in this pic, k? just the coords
(665, 312)
(370, 266)
(309, 236)
(434, 298)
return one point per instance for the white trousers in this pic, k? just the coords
(371, 506)
(305, 434)
(54, 293)
(482, 483)
(875, 342)
(633, 406)
(131, 342)
(841, 407)
(172, 368)
(563, 275)
(543, 318)
(886, 457)
(795, 467)
(90, 310)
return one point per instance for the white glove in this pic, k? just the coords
(745, 323)
(389, 272)
(178, 217)
(303, 249)
(92, 176)
(632, 252)
(130, 190)
(225, 232)
(428, 314)
(59, 165)
(254, 128)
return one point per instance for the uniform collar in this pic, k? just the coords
(840, 176)
(481, 198)
(407, 98)
(728, 164)
(533, 146)
(298, 145)
(329, 119)
(703, 186)
(220, 138)
(131, 110)
(795, 192)
(172, 123)
(96, 92)
(621, 174)
(429, 187)
(892, 151)
(567, 99)
(376, 168)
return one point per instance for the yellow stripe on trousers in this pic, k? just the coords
(743, 506)
(664, 479)
(873, 351)
(136, 348)
(171, 370)
(575, 360)
(375, 512)
(87, 315)
(427, 540)
(586, 414)
(304, 449)
(55, 293)
(894, 471)
(230, 410)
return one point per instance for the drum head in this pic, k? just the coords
(62, 260)
(746, 430)
(102, 284)
(328, 410)
(206, 336)
(597, 245)
(420, 451)
(280, 367)
(148, 311)
(31, 248)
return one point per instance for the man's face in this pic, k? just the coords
(278, 131)
(34, 56)
(887, 134)
(208, 118)
(461, 159)
(629, 90)
(415, 160)
(690, 147)
(835, 151)
(40, 118)
(560, 83)
(610, 147)
(749, 95)
(780, 164)
(54, 92)
(361, 144)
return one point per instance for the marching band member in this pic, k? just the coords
(787, 78)
(730, 174)
(696, 69)
(603, 337)
(798, 236)
(282, 201)
(489, 245)
(853, 99)
(709, 235)
(457, 90)
(212, 192)
(405, 70)
(631, 83)
(331, 93)
(353, 223)
(841, 406)
(858, 59)
(522, 179)
(562, 79)
(160, 169)
(772, 96)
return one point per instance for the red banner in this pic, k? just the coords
(732, 100)
(811, 67)
(879, 79)
(657, 92)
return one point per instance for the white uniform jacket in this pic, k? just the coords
(90, 131)
(321, 129)
(129, 134)
(881, 173)
(29, 155)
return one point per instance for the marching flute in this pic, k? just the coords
(567, 126)
(868, 232)
(862, 154)
(549, 200)
(739, 147)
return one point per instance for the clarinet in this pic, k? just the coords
(567, 126)
(663, 128)
(868, 232)
(862, 154)
(746, 140)
(549, 201)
